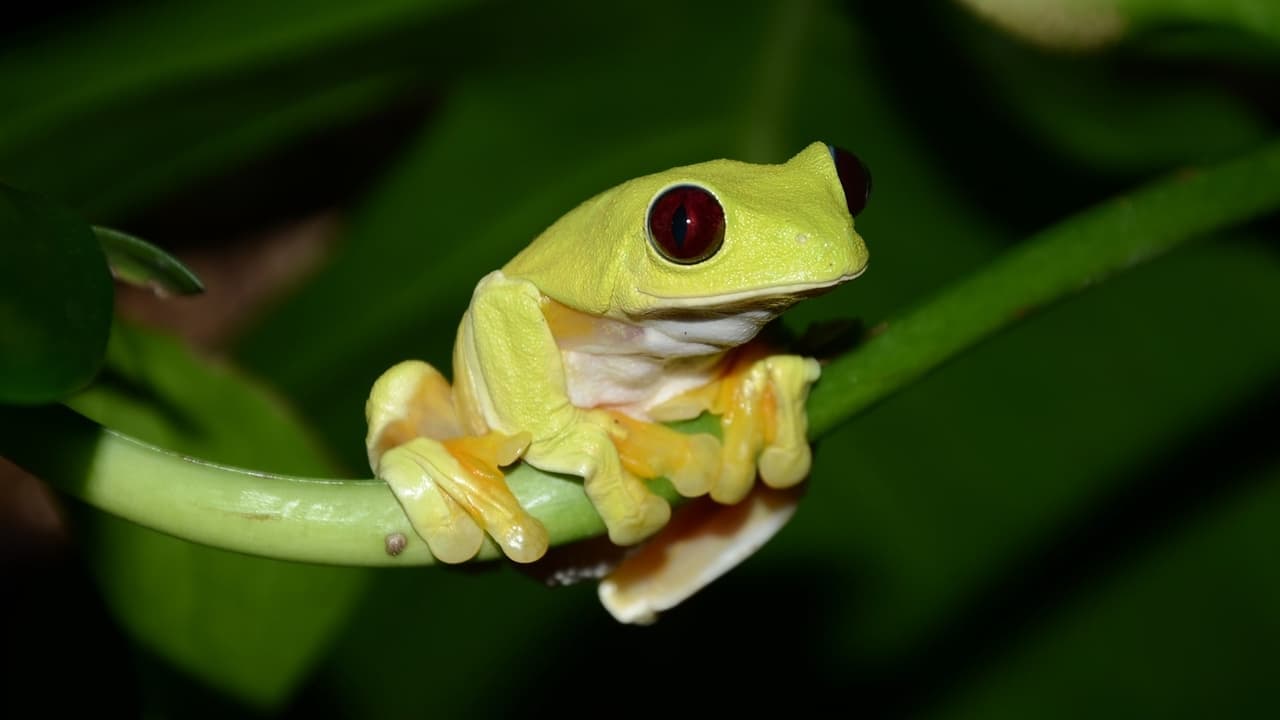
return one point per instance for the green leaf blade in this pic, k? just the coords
(138, 262)
(55, 306)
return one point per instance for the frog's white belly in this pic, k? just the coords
(645, 363)
(633, 383)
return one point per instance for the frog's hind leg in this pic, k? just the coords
(449, 484)
(703, 541)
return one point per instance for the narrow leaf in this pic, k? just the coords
(138, 262)
(55, 300)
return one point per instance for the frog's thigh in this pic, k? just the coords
(629, 510)
(786, 457)
(704, 541)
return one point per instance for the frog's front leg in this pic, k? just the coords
(511, 374)
(760, 399)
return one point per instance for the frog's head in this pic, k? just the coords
(712, 239)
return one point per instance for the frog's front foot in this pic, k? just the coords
(760, 399)
(452, 490)
(765, 426)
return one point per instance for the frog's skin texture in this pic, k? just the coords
(571, 356)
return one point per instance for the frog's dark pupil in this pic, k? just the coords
(680, 226)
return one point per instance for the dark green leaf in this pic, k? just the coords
(247, 626)
(1113, 115)
(194, 91)
(140, 263)
(135, 49)
(186, 135)
(55, 300)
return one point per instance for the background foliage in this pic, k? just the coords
(1076, 517)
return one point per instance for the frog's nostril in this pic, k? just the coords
(854, 178)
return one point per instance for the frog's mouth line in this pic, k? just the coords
(775, 296)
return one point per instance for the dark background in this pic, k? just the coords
(1077, 517)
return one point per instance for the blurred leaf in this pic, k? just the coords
(1261, 17)
(191, 134)
(1208, 46)
(140, 263)
(247, 626)
(155, 389)
(1115, 112)
(55, 310)
(184, 102)
(458, 634)
(127, 50)
(1089, 24)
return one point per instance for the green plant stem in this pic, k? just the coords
(347, 521)
(332, 521)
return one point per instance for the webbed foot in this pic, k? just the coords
(760, 399)
(650, 450)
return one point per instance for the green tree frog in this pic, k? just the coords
(639, 307)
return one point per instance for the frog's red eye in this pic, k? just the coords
(686, 224)
(855, 178)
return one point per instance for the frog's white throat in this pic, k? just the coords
(635, 366)
(702, 335)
